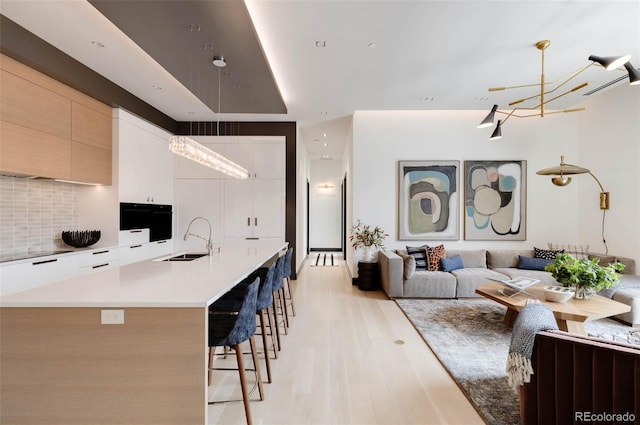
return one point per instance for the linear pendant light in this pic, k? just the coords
(189, 148)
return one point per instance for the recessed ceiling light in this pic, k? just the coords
(481, 99)
(372, 45)
(323, 113)
(97, 44)
(325, 144)
(156, 87)
(321, 43)
(427, 99)
(324, 135)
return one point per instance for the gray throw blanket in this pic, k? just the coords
(534, 317)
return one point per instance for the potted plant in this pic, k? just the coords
(363, 235)
(585, 275)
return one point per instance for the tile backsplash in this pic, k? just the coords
(33, 212)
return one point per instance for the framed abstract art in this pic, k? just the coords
(429, 197)
(495, 200)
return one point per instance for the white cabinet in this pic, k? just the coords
(199, 198)
(254, 208)
(37, 272)
(99, 259)
(236, 208)
(264, 159)
(145, 163)
(135, 246)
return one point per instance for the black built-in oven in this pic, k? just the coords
(155, 217)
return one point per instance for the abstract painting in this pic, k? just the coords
(495, 200)
(428, 200)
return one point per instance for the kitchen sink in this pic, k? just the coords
(186, 257)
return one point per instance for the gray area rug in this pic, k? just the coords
(471, 341)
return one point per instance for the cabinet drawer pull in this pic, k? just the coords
(252, 239)
(100, 265)
(135, 246)
(36, 263)
(135, 231)
(248, 221)
(162, 242)
(100, 252)
(255, 221)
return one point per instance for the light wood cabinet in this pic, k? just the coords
(90, 164)
(90, 126)
(32, 106)
(48, 129)
(24, 151)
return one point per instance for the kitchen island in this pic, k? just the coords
(122, 346)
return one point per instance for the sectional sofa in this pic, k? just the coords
(399, 279)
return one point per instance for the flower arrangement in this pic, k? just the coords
(364, 235)
(584, 273)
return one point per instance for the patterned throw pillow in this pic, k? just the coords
(547, 254)
(434, 254)
(420, 255)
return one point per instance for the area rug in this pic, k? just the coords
(471, 341)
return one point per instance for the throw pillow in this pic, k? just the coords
(452, 263)
(409, 263)
(549, 254)
(529, 263)
(603, 260)
(419, 253)
(434, 254)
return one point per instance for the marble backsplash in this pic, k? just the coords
(33, 212)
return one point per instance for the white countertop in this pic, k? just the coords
(152, 283)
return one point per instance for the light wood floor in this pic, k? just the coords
(351, 357)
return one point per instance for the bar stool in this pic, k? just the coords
(232, 321)
(264, 302)
(287, 276)
(279, 306)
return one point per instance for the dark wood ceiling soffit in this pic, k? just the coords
(184, 36)
(25, 47)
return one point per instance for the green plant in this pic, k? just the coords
(364, 235)
(584, 272)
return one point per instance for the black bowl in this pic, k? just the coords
(80, 238)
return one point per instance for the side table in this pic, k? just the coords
(368, 275)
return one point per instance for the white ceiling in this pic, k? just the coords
(379, 55)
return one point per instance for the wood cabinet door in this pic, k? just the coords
(25, 151)
(30, 105)
(90, 127)
(90, 164)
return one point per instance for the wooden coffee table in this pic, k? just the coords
(570, 315)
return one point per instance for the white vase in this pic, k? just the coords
(367, 254)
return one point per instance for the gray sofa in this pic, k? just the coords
(399, 279)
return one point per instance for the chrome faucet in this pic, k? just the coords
(209, 243)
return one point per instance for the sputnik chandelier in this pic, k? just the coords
(545, 96)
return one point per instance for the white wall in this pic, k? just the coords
(609, 145)
(325, 204)
(302, 174)
(382, 138)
